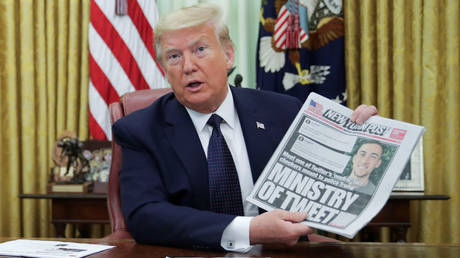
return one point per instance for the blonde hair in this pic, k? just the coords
(204, 13)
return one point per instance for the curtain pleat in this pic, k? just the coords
(403, 57)
(44, 87)
(10, 121)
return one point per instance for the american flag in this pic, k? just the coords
(317, 63)
(284, 24)
(315, 107)
(122, 56)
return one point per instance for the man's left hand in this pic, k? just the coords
(362, 113)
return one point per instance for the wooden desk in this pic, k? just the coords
(92, 208)
(128, 248)
(396, 215)
(81, 209)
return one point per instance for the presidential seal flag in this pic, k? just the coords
(301, 48)
(122, 56)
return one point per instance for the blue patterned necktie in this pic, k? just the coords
(224, 187)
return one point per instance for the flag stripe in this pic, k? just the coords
(96, 130)
(108, 63)
(283, 44)
(150, 11)
(282, 14)
(131, 37)
(281, 27)
(280, 37)
(119, 49)
(280, 22)
(303, 36)
(99, 110)
(122, 57)
(143, 27)
(103, 85)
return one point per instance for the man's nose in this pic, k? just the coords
(367, 160)
(189, 63)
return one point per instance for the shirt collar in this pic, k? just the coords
(226, 110)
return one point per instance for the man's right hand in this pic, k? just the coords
(278, 226)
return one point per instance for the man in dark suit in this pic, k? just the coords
(164, 178)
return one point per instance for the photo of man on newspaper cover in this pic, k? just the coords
(369, 160)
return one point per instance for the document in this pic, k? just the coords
(337, 171)
(51, 249)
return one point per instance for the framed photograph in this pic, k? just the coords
(411, 178)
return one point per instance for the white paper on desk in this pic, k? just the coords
(51, 249)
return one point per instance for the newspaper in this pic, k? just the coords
(49, 249)
(339, 172)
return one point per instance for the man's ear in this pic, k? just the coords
(229, 55)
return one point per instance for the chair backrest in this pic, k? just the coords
(129, 103)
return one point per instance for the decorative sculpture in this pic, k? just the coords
(68, 154)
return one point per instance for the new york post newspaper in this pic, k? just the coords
(339, 172)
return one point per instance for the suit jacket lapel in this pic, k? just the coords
(183, 137)
(260, 142)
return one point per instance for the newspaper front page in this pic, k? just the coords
(339, 172)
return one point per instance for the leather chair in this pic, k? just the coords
(131, 102)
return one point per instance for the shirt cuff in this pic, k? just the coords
(236, 235)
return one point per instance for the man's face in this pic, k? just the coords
(366, 160)
(196, 66)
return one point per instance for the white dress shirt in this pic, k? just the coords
(236, 234)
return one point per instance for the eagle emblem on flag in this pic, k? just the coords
(298, 25)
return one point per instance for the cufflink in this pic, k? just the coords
(230, 244)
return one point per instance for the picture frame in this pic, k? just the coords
(412, 177)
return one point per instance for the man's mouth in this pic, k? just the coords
(194, 84)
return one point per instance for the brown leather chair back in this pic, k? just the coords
(129, 102)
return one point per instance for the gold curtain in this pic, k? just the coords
(43, 92)
(404, 57)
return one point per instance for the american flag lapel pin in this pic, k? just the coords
(260, 125)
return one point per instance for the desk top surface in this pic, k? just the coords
(394, 196)
(129, 248)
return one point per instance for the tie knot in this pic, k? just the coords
(215, 121)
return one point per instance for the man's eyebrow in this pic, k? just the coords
(199, 40)
(170, 49)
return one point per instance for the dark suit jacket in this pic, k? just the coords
(164, 175)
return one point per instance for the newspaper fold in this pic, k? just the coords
(339, 172)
